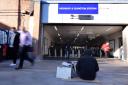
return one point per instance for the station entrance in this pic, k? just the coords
(69, 41)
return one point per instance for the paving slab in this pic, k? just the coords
(112, 72)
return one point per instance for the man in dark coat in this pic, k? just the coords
(14, 40)
(87, 66)
(16, 46)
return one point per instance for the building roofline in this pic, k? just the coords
(87, 1)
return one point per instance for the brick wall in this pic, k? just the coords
(9, 10)
(8, 13)
(12, 14)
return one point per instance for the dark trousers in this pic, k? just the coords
(13, 53)
(24, 56)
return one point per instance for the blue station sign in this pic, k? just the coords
(88, 8)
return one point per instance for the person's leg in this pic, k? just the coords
(21, 62)
(105, 54)
(14, 60)
(22, 57)
(108, 54)
(12, 56)
(29, 57)
(15, 54)
(10, 53)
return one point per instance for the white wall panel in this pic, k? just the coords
(108, 14)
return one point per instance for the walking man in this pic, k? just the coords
(25, 45)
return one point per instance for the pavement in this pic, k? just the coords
(112, 72)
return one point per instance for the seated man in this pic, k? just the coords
(87, 66)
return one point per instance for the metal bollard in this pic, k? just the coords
(55, 53)
(61, 52)
(73, 55)
(78, 53)
(49, 53)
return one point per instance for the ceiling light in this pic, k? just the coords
(82, 28)
(108, 29)
(97, 35)
(89, 32)
(55, 28)
(58, 34)
(78, 34)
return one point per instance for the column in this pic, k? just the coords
(125, 44)
(36, 30)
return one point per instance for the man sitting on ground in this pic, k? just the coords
(87, 66)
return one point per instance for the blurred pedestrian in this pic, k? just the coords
(106, 48)
(14, 40)
(25, 47)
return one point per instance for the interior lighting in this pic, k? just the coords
(97, 35)
(55, 28)
(82, 28)
(78, 34)
(108, 29)
(58, 34)
(75, 38)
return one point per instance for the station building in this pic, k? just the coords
(75, 22)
